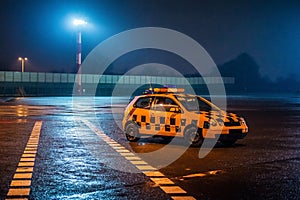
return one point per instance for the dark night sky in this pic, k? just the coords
(268, 30)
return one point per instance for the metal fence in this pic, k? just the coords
(39, 77)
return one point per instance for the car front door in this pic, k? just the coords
(165, 117)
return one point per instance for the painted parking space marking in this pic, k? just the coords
(20, 185)
(158, 178)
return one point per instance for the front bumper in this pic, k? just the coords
(233, 134)
(226, 133)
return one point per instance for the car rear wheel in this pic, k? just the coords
(193, 136)
(132, 132)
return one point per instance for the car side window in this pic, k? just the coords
(204, 106)
(165, 104)
(144, 102)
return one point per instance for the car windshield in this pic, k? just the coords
(194, 103)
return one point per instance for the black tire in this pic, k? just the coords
(193, 136)
(132, 132)
(228, 142)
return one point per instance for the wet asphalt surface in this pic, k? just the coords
(73, 162)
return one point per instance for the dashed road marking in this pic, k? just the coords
(173, 189)
(20, 185)
(162, 181)
(159, 179)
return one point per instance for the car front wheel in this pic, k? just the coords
(193, 136)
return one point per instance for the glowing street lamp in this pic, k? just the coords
(79, 23)
(22, 62)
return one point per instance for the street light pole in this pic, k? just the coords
(79, 23)
(78, 61)
(22, 63)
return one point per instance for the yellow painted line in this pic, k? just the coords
(27, 159)
(17, 199)
(28, 155)
(127, 154)
(26, 164)
(114, 145)
(153, 174)
(24, 169)
(119, 147)
(31, 147)
(162, 181)
(23, 176)
(20, 185)
(138, 162)
(18, 192)
(145, 167)
(132, 158)
(167, 185)
(122, 150)
(33, 152)
(173, 190)
(183, 198)
(111, 142)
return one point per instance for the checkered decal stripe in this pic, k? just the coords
(158, 124)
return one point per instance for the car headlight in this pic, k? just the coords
(242, 121)
(220, 122)
(213, 122)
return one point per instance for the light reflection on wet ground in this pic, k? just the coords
(265, 165)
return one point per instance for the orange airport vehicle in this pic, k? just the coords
(171, 112)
